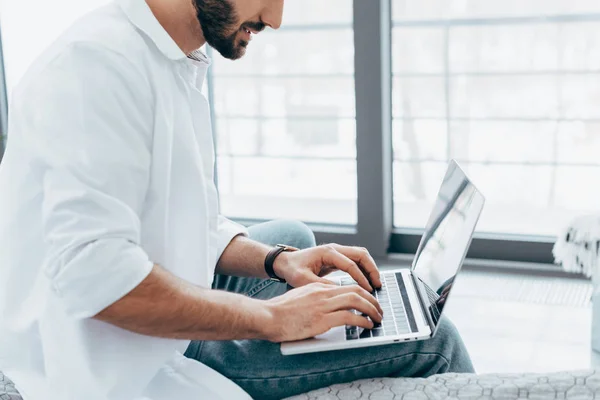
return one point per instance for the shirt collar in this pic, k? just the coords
(142, 17)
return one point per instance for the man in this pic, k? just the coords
(110, 234)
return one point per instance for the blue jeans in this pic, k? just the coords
(260, 368)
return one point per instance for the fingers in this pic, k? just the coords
(306, 278)
(361, 292)
(331, 256)
(363, 258)
(353, 301)
(341, 318)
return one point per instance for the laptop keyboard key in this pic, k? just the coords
(366, 334)
(351, 333)
(377, 332)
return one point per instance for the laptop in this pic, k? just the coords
(413, 300)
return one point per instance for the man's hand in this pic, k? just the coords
(311, 265)
(315, 308)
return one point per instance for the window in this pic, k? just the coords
(512, 96)
(284, 117)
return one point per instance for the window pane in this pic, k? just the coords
(284, 97)
(448, 9)
(420, 139)
(515, 101)
(578, 142)
(277, 137)
(521, 142)
(419, 97)
(499, 96)
(27, 30)
(422, 50)
(502, 48)
(325, 51)
(529, 186)
(285, 119)
(281, 187)
(313, 12)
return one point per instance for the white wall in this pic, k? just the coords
(29, 26)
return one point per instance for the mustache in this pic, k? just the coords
(255, 26)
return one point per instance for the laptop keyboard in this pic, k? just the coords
(433, 297)
(395, 321)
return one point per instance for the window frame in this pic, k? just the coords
(486, 246)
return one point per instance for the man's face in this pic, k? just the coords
(228, 25)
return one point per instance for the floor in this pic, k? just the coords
(521, 323)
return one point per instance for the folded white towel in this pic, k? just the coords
(577, 249)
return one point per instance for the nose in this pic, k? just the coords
(273, 13)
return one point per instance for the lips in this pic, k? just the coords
(247, 35)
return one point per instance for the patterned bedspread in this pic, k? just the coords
(572, 385)
(561, 385)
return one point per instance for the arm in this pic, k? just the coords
(182, 310)
(167, 306)
(245, 257)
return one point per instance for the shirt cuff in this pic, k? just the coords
(228, 230)
(99, 275)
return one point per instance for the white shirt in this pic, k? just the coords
(109, 169)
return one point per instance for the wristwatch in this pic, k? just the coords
(270, 260)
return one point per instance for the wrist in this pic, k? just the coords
(266, 323)
(281, 265)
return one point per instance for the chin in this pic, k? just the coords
(235, 55)
(233, 50)
(238, 53)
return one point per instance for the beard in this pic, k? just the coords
(220, 26)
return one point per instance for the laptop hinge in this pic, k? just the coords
(422, 302)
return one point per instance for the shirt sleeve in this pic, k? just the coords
(227, 231)
(88, 125)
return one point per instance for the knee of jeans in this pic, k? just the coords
(447, 337)
(448, 342)
(301, 236)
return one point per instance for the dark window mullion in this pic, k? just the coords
(3, 103)
(373, 84)
(512, 248)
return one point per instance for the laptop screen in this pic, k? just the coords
(446, 239)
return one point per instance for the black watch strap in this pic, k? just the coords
(270, 260)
